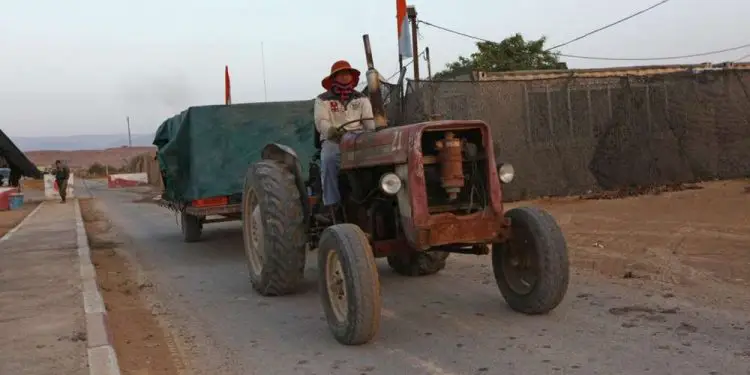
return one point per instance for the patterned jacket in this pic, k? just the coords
(330, 111)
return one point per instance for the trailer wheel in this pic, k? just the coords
(273, 229)
(418, 263)
(191, 226)
(349, 284)
(531, 268)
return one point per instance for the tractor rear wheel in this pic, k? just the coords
(418, 263)
(349, 284)
(191, 226)
(273, 229)
(531, 268)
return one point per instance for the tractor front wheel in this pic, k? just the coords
(531, 268)
(349, 284)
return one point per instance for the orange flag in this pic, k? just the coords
(404, 34)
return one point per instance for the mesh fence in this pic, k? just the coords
(577, 135)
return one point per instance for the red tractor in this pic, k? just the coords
(413, 194)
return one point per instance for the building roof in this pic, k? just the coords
(647, 70)
(16, 158)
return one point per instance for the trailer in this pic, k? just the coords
(204, 152)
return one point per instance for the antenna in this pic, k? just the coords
(263, 62)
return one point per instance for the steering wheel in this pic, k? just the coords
(353, 121)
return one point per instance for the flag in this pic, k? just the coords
(227, 86)
(404, 35)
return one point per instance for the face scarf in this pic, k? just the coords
(343, 91)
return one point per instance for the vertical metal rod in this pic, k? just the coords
(429, 63)
(401, 88)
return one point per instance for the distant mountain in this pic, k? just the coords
(81, 142)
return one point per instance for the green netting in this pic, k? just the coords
(205, 151)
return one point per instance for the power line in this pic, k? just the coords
(609, 25)
(742, 58)
(708, 53)
(405, 66)
(597, 57)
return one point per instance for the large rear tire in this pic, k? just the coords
(418, 263)
(349, 284)
(191, 226)
(273, 229)
(532, 269)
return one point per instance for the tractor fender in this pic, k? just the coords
(288, 157)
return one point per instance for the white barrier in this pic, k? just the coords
(127, 180)
(50, 187)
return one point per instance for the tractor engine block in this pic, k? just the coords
(456, 170)
(451, 164)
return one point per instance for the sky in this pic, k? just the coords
(81, 66)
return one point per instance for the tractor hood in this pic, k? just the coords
(391, 145)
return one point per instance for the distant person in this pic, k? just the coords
(62, 173)
(14, 179)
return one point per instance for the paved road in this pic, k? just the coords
(452, 323)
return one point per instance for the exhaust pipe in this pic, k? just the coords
(373, 87)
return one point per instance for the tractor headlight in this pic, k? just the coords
(390, 183)
(506, 173)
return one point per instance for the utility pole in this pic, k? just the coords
(130, 138)
(429, 63)
(411, 12)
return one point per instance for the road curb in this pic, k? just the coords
(100, 350)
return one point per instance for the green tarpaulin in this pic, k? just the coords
(205, 151)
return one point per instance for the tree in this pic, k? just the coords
(513, 53)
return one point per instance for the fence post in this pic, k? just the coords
(666, 100)
(648, 107)
(528, 111)
(590, 111)
(570, 113)
(549, 114)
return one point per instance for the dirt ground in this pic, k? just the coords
(142, 345)
(697, 238)
(9, 219)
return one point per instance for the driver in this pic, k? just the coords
(340, 104)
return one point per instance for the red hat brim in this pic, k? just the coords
(327, 81)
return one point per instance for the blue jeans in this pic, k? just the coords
(330, 161)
